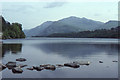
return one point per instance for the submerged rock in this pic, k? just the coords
(2, 66)
(21, 59)
(21, 65)
(11, 65)
(49, 67)
(73, 65)
(82, 62)
(17, 70)
(115, 61)
(45, 65)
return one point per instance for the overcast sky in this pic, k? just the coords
(31, 14)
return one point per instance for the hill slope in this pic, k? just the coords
(39, 29)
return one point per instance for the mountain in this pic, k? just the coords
(66, 25)
(110, 24)
(83, 23)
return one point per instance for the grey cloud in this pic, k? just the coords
(54, 4)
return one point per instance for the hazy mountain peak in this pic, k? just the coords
(48, 21)
(84, 18)
(112, 21)
(110, 24)
(73, 18)
(77, 19)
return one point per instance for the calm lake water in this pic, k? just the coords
(63, 50)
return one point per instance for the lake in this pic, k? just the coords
(59, 51)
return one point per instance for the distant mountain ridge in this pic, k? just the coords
(110, 24)
(68, 25)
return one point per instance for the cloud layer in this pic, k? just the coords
(54, 4)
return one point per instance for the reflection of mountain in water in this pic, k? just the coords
(76, 49)
(13, 48)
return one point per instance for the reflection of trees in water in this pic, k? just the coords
(13, 48)
(0, 50)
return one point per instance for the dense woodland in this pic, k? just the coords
(100, 33)
(11, 31)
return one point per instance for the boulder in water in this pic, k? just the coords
(11, 65)
(17, 70)
(38, 68)
(73, 65)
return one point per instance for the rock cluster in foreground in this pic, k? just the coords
(17, 68)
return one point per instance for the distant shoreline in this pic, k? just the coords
(72, 37)
(60, 37)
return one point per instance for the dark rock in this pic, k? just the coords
(2, 67)
(17, 70)
(30, 68)
(115, 61)
(38, 68)
(11, 65)
(21, 59)
(100, 61)
(73, 65)
(35, 67)
(21, 65)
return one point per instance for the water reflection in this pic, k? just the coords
(76, 49)
(66, 49)
(13, 48)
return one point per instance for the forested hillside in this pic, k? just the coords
(11, 31)
(100, 33)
